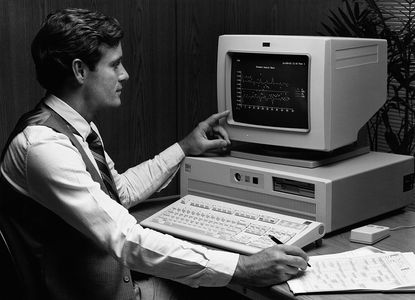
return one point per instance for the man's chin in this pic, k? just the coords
(113, 104)
(116, 102)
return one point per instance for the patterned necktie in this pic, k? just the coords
(95, 145)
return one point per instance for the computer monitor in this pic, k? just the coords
(302, 92)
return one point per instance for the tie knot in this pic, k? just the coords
(93, 139)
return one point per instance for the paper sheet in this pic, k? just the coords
(363, 269)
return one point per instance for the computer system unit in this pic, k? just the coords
(339, 194)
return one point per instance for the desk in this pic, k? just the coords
(401, 240)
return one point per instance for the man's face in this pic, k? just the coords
(103, 85)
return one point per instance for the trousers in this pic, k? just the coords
(154, 288)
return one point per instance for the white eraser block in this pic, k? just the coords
(369, 234)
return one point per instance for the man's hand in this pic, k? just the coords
(270, 266)
(208, 135)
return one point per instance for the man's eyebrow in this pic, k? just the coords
(116, 61)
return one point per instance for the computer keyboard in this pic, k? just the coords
(230, 226)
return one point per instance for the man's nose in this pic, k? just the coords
(124, 74)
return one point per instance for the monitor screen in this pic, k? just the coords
(270, 89)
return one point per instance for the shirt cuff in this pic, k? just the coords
(221, 267)
(173, 155)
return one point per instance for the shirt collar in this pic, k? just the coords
(69, 114)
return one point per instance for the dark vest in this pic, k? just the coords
(69, 265)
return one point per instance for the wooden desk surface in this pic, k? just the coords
(400, 240)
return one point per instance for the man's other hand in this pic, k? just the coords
(270, 266)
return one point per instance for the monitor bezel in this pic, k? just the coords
(228, 91)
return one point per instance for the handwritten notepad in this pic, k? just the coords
(367, 268)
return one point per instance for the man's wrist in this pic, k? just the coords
(238, 276)
(184, 146)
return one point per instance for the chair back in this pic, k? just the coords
(19, 275)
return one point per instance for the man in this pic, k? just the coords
(68, 202)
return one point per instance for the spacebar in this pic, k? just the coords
(188, 228)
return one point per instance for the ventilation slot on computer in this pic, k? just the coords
(356, 56)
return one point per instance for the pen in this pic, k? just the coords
(277, 241)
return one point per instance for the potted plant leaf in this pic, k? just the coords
(393, 21)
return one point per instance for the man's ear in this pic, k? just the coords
(80, 70)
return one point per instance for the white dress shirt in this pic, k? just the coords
(45, 166)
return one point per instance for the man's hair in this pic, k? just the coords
(69, 34)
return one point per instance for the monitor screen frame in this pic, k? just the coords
(228, 91)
